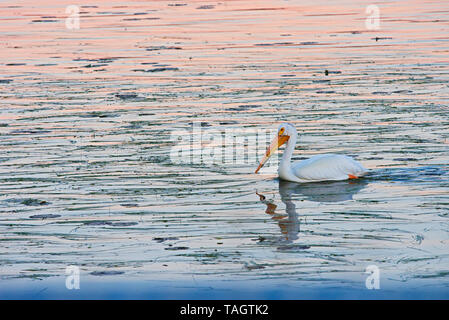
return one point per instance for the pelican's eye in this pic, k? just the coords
(281, 132)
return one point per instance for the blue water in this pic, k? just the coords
(156, 290)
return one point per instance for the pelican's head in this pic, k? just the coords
(285, 131)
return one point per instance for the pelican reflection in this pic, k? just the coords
(290, 192)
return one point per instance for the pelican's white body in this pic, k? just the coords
(324, 167)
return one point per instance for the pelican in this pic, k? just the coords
(323, 167)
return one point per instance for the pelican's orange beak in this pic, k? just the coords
(275, 144)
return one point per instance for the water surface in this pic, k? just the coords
(87, 120)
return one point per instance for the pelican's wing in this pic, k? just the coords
(328, 167)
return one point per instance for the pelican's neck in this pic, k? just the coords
(285, 167)
(288, 152)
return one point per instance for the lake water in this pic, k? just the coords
(90, 118)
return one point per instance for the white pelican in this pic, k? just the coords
(323, 167)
